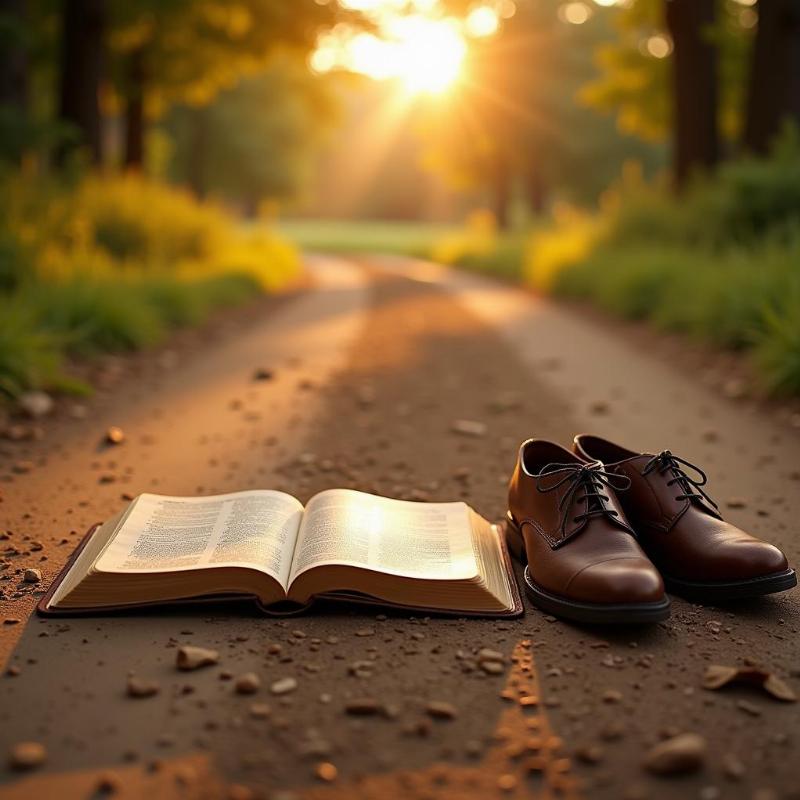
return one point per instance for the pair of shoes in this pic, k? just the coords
(603, 531)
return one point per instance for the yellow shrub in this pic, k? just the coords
(567, 242)
(109, 226)
(478, 238)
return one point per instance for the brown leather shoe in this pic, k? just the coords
(700, 556)
(582, 559)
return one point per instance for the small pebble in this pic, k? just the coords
(27, 755)
(115, 435)
(326, 771)
(139, 687)
(283, 686)
(189, 657)
(468, 427)
(249, 683)
(364, 707)
(441, 710)
(681, 754)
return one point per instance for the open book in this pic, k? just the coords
(265, 544)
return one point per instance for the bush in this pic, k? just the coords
(721, 263)
(149, 224)
(14, 262)
(112, 264)
(724, 298)
(29, 358)
(778, 347)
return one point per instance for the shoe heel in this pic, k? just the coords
(515, 540)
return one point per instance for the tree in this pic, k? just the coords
(774, 84)
(695, 95)
(185, 51)
(631, 81)
(13, 78)
(514, 127)
(254, 141)
(83, 27)
(670, 63)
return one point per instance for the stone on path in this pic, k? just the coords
(190, 657)
(36, 404)
(27, 755)
(679, 755)
(283, 686)
(248, 683)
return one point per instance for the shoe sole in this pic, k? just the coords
(595, 613)
(733, 590)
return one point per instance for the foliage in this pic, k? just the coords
(113, 263)
(516, 110)
(259, 136)
(723, 297)
(569, 239)
(720, 264)
(746, 200)
(778, 346)
(28, 356)
(634, 81)
(477, 238)
(192, 49)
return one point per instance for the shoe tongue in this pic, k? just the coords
(592, 489)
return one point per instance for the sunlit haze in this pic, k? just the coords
(414, 42)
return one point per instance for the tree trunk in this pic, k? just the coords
(134, 111)
(502, 193)
(14, 57)
(535, 191)
(82, 63)
(774, 89)
(695, 137)
(14, 81)
(197, 151)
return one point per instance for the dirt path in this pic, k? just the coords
(371, 369)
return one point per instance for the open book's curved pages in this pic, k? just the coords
(342, 545)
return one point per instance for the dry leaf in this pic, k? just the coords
(719, 675)
(778, 688)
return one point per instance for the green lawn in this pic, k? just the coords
(365, 236)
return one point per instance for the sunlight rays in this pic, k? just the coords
(414, 44)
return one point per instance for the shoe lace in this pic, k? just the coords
(592, 478)
(666, 462)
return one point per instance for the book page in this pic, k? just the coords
(418, 540)
(243, 529)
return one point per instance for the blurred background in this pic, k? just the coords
(162, 158)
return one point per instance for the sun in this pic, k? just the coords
(425, 55)
(430, 54)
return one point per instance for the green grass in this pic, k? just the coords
(504, 260)
(28, 356)
(498, 254)
(44, 322)
(112, 263)
(723, 297)
(720, 264)
(416, 239)
(778, 348)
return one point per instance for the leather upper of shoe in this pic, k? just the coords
(577, 539)
(678, 524)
